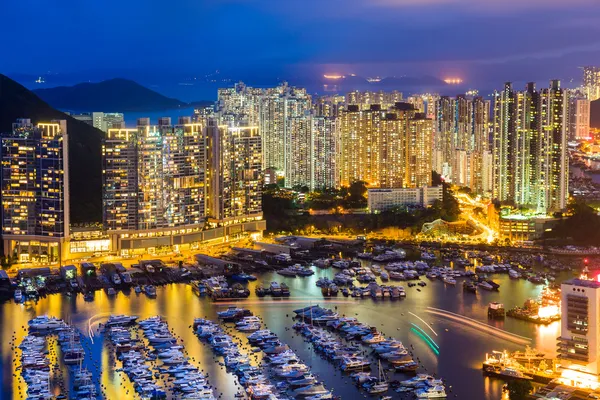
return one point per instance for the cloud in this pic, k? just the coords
(486, 5)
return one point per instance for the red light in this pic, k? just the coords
(585, 260)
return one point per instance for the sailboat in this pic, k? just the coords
(379, 386)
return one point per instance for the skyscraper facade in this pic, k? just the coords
(591, 82)
(579, 118)
(235, 177)
(153, 176)
(277, 106)
(530, 147)
(461, 140)
(35, 190)
(239, 105)
(385, 148)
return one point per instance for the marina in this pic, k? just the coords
(177, 304)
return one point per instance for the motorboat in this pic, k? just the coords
(45, 323)
(242, 277)
(373, 338)
(18, 296)
(275, 289)
(114, 320)
(449, 280)
(310, 390)
(150, 290)
(431, 392)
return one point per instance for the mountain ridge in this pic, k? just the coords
(85, 147)
(112, 95)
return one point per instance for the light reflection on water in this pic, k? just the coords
(462, 349)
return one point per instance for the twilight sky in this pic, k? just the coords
(477, 40)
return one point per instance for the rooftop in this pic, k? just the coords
(583, 283)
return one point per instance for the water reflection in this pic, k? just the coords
(462, 348)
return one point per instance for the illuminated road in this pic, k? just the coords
(467, 205)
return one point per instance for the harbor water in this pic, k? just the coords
(462, 348)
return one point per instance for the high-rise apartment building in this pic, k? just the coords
(579, 341)
(312, 152)
(324, 153)
(35, 190)
(390, 148)
(101, 120)
(591, 82)
(120, 180)
(278, 106)
(461, 139)
(364, 100)
(530, 147)
(239, 105)
(299, 147)
(235, 174)
(579, 118)
(154, 176)
(176, 186)
(504, 143)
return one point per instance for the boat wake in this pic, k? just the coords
(511, 337)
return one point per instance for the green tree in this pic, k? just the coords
(357, 195)
(582, 226)
(518, 389)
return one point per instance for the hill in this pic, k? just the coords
(595, 114)
(113, 95)
(85, 147)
